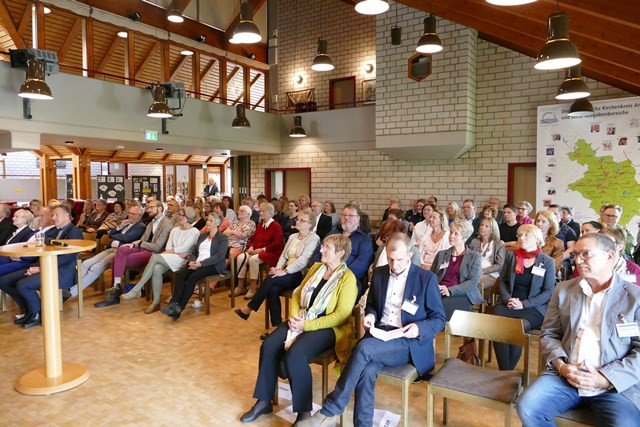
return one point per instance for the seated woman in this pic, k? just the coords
(524, 209)
(22, 220)
(87, 211)
(180, 244)
(113, 219)
(264, 246)
(240, 231)
(230, 214)
(453, 212)
(526, 283)
(91, 223)
(208, 259)
(320, 320)
(329, 208)
(288, 222)
(200, 220)
(458, 271)
(389, 227)
(34, 206)
(489, 211)
(590, 227)
(547, 222)
(287, 274)
(492, 250)
(422, 229)
(435, 241)
(219, 208)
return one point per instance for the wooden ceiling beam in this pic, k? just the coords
(10, 26)
(55, 151)
(232, 73)
(181, 64)
(215, 94)
(188, 159)
(147, 59)
(115, 44)
(235, 101)
(208, 159)
(254, 79)
(618, 10)
(166, 157)
(256, 104)
(182, 5)
(142, 156)
(76, 28)
(24, 20)
(208, 70)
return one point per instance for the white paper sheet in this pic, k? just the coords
(382, 418)
(284, 391)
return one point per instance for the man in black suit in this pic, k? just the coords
(469, 214)
(211, 189)
(402, 297)
(24, 289)
(323, 222)
(6, 226)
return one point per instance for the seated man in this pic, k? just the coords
(136, 254)
(589, 341)
(402, 296)
(24, 289)
(128, 231)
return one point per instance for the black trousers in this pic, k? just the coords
(186, 282)
(296, 361)
(508, 355)
(272, 288)
(452, 304)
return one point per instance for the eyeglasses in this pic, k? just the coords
(349, 216)
(586, 254)
(610, 215)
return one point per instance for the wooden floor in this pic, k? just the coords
(149, 370)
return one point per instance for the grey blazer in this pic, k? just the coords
(160, 237)
(470, 272)
(217, 254)
(498, 256)
(620, 356)
(304, 252)
(541, 287)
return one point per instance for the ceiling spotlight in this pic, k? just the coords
(69, 142)
(34, 87)
(509, 2)
(297, 131)
(173, 12)
(246, 31)
(240, 121)
(159, 149)
(251, 55)
(135, 16)
(186, 52)
(123, 34)
(573, 86)
(119, 147)
(372, 7)
(201, 38)
(429, 42)
(322, 61)
(581, 108)
(558, 52)
(159, 108)
(46, 10)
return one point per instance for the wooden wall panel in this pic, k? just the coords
(235, 84)
(63, 29)
(257, 78)
(106, 43)
(148, 54)
(210, 77)
(181, 67)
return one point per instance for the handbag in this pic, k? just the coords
(468, 352)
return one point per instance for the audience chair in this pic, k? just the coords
(204, 285)
(3, 301)
(534, 336)
(580, 417)
(287, 298)
(474, 384)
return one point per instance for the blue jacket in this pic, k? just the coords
(361, 252)
(430, 318)
(134, 233)
(66, 263)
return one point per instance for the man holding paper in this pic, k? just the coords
(405, 300)
(589, 341)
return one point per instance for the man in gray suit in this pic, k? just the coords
(589, 340)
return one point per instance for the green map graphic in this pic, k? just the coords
(606, 181)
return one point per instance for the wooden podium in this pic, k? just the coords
(55, 376)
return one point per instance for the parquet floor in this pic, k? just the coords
(149, 370)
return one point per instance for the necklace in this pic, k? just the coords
(455, 257)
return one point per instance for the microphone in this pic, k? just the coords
(58, 243)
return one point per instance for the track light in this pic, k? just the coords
(201, 38)
(186, 52)
(297, 131)
(429, 42)
(123, 34)
(173, 12)
(159, 108)
(558, 52)
(372, 7)
(246, 31)
(581, 108)
(573, 86)
(135, 16)
(34, 87)
(240, 121)
(322, 61)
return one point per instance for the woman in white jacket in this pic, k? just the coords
(288, 273)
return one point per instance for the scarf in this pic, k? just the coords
(322, 300)
(521, 255)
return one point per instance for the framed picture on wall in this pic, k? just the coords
(369, 91)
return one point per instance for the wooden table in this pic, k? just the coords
(55, 376)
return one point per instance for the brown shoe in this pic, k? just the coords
(152, 308)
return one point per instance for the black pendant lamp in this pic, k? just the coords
(34, 87)
(173, 12)
(297, 131)
(246, 31)
(559, 52)
(573, 86)
(159, 108)
(581, 108)
(429, 42)
(240, 121)
(322, 61)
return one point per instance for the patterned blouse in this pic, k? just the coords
(247, 229)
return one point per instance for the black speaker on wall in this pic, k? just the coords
(396, 36)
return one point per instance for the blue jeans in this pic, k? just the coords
(551, 395)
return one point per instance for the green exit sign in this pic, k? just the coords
(150, 135)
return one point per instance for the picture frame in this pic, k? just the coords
(369, 91)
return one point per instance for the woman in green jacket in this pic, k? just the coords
(320, 319)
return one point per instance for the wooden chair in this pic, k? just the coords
(204, 285)
(80, 290)
(474, 384)
(3, 301)
(580, 417)
(534, 336)
(402, 376)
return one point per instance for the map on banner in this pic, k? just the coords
(587, 162)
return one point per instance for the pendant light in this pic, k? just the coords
(240, 121)
(246, 31)
(573, 86)
(297, 131)
(429, 42)
(509, 2)
(34, 87)
(396, 32)
(372, 7)
(159, 108)
(581, 108)
(322, 61)
(173, 12)
(559, 52)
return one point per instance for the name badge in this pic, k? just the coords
(538, 270)
(444, 265)
(410, 306)
(629, 329)
(631, 278)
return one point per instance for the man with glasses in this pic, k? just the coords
(129, 230)
(469, 214)
(323, 224)
(610, 215)
(590, 344)
(172, 211)
(137, 253)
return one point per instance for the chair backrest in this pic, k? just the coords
(501, 329)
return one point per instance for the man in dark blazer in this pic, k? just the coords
(323, 222)
(469, 214)
(6, 226)
(24, 289)
(401, 297)
(211, 189)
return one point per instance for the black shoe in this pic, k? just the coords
(240, 313)
(66, 294)
(260, 408)
(171, 310)
(264, 336)
(32, 320)
(113, 298)
(21, 320)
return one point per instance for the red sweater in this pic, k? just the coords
(271, 239)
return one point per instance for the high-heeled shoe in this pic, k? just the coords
(131, 295)
(241, 313)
